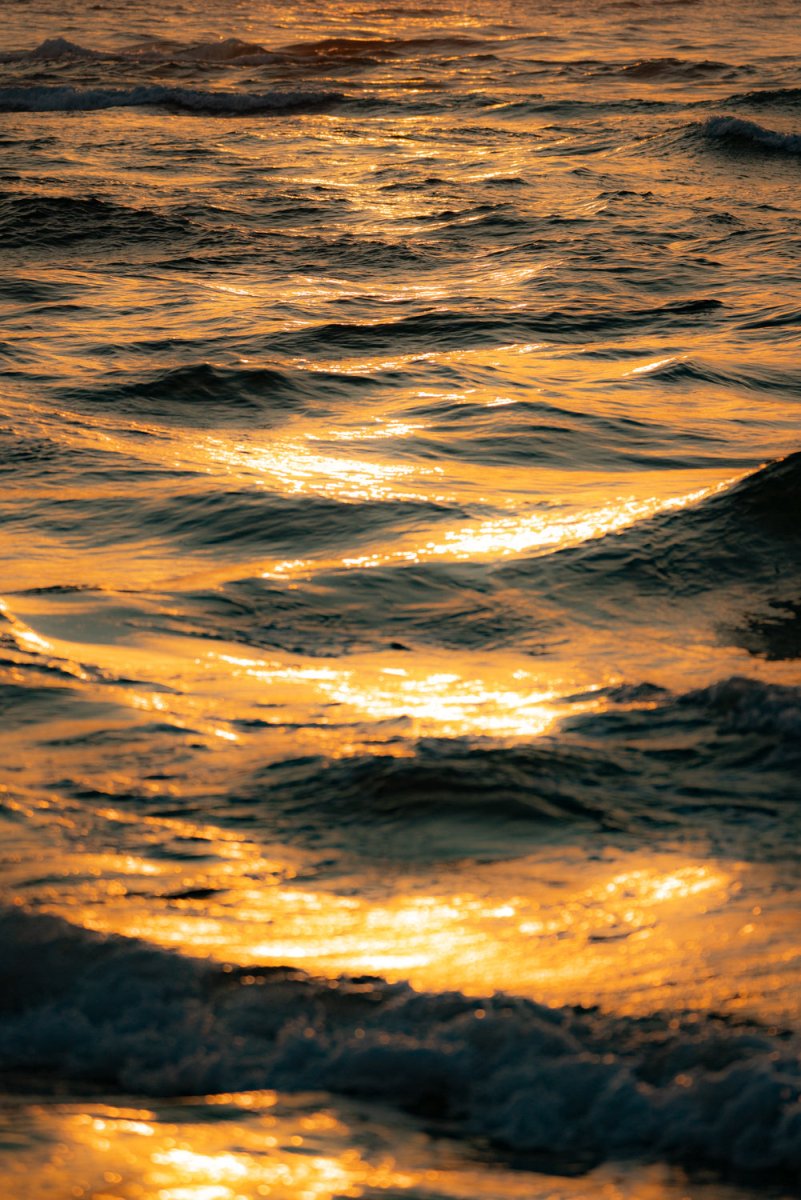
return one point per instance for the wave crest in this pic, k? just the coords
(190, 100)
(232, 51)
(27, 220)
(555, 1085)
(748, 135)
(733, 538)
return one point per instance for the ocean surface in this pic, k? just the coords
(400, 607)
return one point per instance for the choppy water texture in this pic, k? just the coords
(399, 640)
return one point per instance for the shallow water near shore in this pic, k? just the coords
(399, 618)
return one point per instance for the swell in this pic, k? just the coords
(749, 137)
(45, 461)
(64, 98)
(456, 607)
(220, 522)
(28, 221)
(761, 377)
(454, 330)
(369, 50)
(749, 535)
(648, 763)
(448, 800)
(562, 1088)
(668, 69)
(23, 704)
(202, 394)
(541, 432)
(781, 98)
(741, 543)
(234, 52)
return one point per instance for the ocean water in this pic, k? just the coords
(401, 600)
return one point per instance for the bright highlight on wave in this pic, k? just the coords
(554, 939)
(507, 537)
(297, 468)
(430, 700)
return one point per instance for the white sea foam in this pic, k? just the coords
(565, 1084)
(750, 133)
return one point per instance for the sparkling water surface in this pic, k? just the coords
(400, 599)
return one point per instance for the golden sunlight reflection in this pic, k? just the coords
(377, 431)
(505, 537)
(268, 1145)
(511, 508)
(298, 467)
(475, 697)
(564, 925)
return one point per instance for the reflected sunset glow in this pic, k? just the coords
(535, 533)
(400, 628)
(440, 703)
(577, 932)
(299, 469)
(287, 1150)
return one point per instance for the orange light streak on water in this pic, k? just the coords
(560, 925)
(251, 1145)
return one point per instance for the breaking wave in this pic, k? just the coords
(748, 135)
(560, 1087)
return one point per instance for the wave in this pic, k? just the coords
(48, 221)
(739, 548)
(53, 49)
(760, 377)
(449, 800)
(452, 329)
(742, 739)
(612, 770)
(676, 69)
(26, 703)
(768, 98)
(668, 69)
(41, 462)
(580, 108)
(772, 633)
(374, 49)
(223, 522)
(234, 52)
(448, 606)
(748, 135)
(189, 100)
(747, 535)
(750, 707)
(20, 453)
(543, 432)
(205, 394)
(751, 516)
(199, 391)
(223, 51)
(556, 1088)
